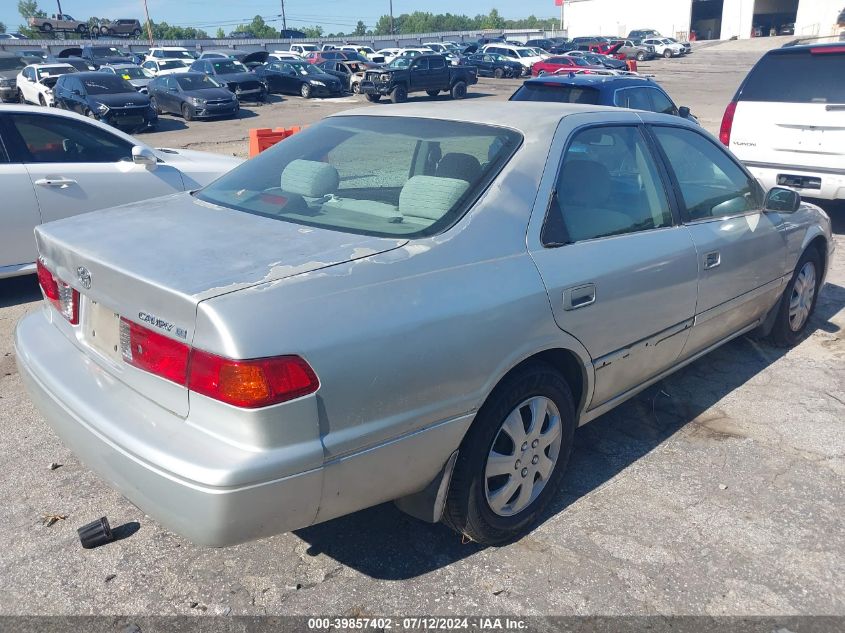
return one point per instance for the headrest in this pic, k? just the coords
(584, 183)
(457, 165)
(309, 178)
(430, 196)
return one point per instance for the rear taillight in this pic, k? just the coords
(152, 352)
(251, 383)
(727, 124)
(64, 298)
(242, 383)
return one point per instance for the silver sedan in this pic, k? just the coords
(391, 306)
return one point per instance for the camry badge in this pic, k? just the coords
(84, 276)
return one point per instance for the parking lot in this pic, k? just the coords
(718, 491)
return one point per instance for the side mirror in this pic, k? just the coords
(782, 200)
(144, 156)
(684, 112)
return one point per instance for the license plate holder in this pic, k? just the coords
(102, 330)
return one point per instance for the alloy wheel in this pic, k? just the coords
(803, 293)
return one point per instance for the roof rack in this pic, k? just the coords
(818, 39)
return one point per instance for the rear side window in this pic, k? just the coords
(48, 139)
(799, 77)
(437, 62)
(556, 93)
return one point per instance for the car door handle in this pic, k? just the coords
(62, 183)
(579, 296)
(712, 260)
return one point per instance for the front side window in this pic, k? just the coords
(48, 139)
(386, 176)
(437, 62)
(634, 98)
(661, 103)
(608, 185)
(711, 184)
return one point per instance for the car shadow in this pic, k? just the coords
(18, 290)
(170, 123)
(383, 543)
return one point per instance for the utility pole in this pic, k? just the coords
(59, 2)
(391, 17)
(284, 21)
(149, 26)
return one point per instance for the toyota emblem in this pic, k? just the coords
(84, 276)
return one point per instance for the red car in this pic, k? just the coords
(553, 64)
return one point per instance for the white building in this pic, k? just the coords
(710, 19)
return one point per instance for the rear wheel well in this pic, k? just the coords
(567, 364)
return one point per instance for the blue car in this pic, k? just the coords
(621, 91)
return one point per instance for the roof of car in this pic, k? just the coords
(598, 81)
(532, 119)
(790, 47)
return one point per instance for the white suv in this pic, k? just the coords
(160, 53)
(665, 47)
(524, 55)
(787, 120)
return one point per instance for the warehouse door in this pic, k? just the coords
(774, 17)
(706, 19)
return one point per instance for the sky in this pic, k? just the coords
(334, 15)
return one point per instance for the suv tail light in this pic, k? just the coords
(727, 124)
(64, 298)
(250, 384)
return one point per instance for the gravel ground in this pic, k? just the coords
(718, 491)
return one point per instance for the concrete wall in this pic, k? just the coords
(818, 17)
(619, 17)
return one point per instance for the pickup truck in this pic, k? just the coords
(60, 22)
(426, 73)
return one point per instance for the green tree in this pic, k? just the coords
(493, 21)
(258, 27)
(2, 28)
(165, 31)
(313, 31)
(29, 9)
(360, 28)
(220, 33)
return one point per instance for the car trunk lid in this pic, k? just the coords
(152, 263)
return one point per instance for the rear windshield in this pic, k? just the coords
(11, 63)
(383, 176)
(556, 93)
(170, 64)
(801, 77)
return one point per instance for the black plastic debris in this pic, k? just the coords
(95, 533)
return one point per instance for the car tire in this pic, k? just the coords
(21, 98)
(41, 101)
(459, 90)
(667, 53)
(46, 27)
(373, 98)
(187, 112)
(399, 95)
(356, 88)
(136, 33)
(798, 302)
(498, 73)
(305, 91)
(640, 56)
(432, 93)
(500, 428)
(540, 73)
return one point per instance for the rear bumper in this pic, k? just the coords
(176, 473)
(831, 183)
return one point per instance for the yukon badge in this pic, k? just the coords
(84, 276)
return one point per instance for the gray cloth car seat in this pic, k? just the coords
(584, 191)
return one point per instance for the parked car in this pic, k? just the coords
(494, 65)
(790, 134)
(135, 75)
(35, 54)
(451, 52)
(159, 53)
(686, 45)
(303, 49)
(35, 82)
(389, 54)
(525, 56)
(81, 65)
(642, 34)
(535, 274)
(128, 27)
(596, 59)
(299, 77)
(787, 29)
(637, 93)
(349, 73)
(633, 49)
(60, 22)
(544, 43)
(161, 67)
(10, 66)
(62, 164)
(233, 74)
(561, 63)
(226, 53)
(107, 98)
(315, 57)
(98, 56)
(426, 73)
(13, 36)
(664, 47)
(192, 96)
(364, 51)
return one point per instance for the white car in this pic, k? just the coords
(161, 67)
(284, 56)
(303, 49)
(64, 164)
(665, 47)
(159, 53)
(389, 54)
(35, 82)
(364, 51)
(522, 54)
(787, 120)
